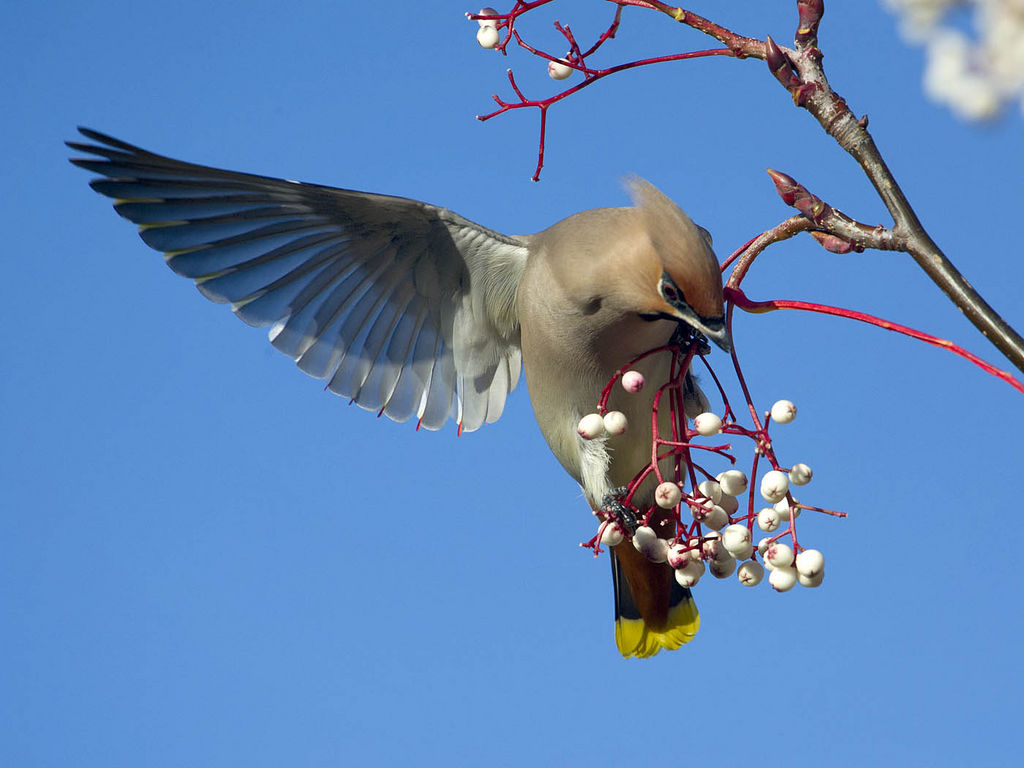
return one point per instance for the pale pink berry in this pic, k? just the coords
(800, 474)
(783, 411)
(591, 426)
(487, 37)
(782, 578)
(711, 548)
(810, 563)
(774, 486)
(750, 573)
(615, 422)
(633, 381)
(667, 495)
(678, 555)
(690, 574)
(559, 70)
(733, 482)
(780, 555)
(611, 535)
(707, 424)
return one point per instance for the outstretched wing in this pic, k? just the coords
(404, 307)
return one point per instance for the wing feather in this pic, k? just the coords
(404, 307)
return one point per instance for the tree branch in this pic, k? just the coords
(801, 73)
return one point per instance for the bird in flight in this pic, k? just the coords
(415, 312)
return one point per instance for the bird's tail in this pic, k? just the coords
(651, 610)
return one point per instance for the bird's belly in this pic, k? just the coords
(569, 394)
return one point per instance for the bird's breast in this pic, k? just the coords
(569, 356)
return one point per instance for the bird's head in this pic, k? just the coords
(681, 277)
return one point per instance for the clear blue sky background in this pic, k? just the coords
(207, 560)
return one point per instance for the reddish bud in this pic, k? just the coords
(812, 207)
(810, 13)
(834, 243)
(803, 93)
(779, 64)
(787, 187)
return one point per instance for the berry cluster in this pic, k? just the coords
(489, 37)
(714, 521)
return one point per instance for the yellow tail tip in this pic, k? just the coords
(635, 638)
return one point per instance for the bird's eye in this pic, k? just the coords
(669, 292)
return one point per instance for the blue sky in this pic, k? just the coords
(207, 560)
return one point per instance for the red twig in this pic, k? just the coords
(736, 297)
(576, 59)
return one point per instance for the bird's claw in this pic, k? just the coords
(612, 505)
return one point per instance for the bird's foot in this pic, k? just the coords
(612, 506)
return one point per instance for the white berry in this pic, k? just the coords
(615, 422)
(768, 520)
(591, 426)
(713, 516)
(690, 574)
(800, 474)
(611, 535)
(710, 489)
(774, 486)
(783, 411)
(750, 573)
(729, 503)
(647, 542)
(736, 538)
(633, 381)
(782, 578)
(667, 495)
(487, 22)
(785, 511)
(810, 563)
(559, 70)
(642, 536)
(657, 551)
(810, 581)
(707, 424)
(733, 482)
(487, 37)
(722, 568)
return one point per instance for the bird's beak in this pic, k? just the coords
(716, 331)
(714, 327)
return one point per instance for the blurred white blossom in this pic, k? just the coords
(974, 74)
